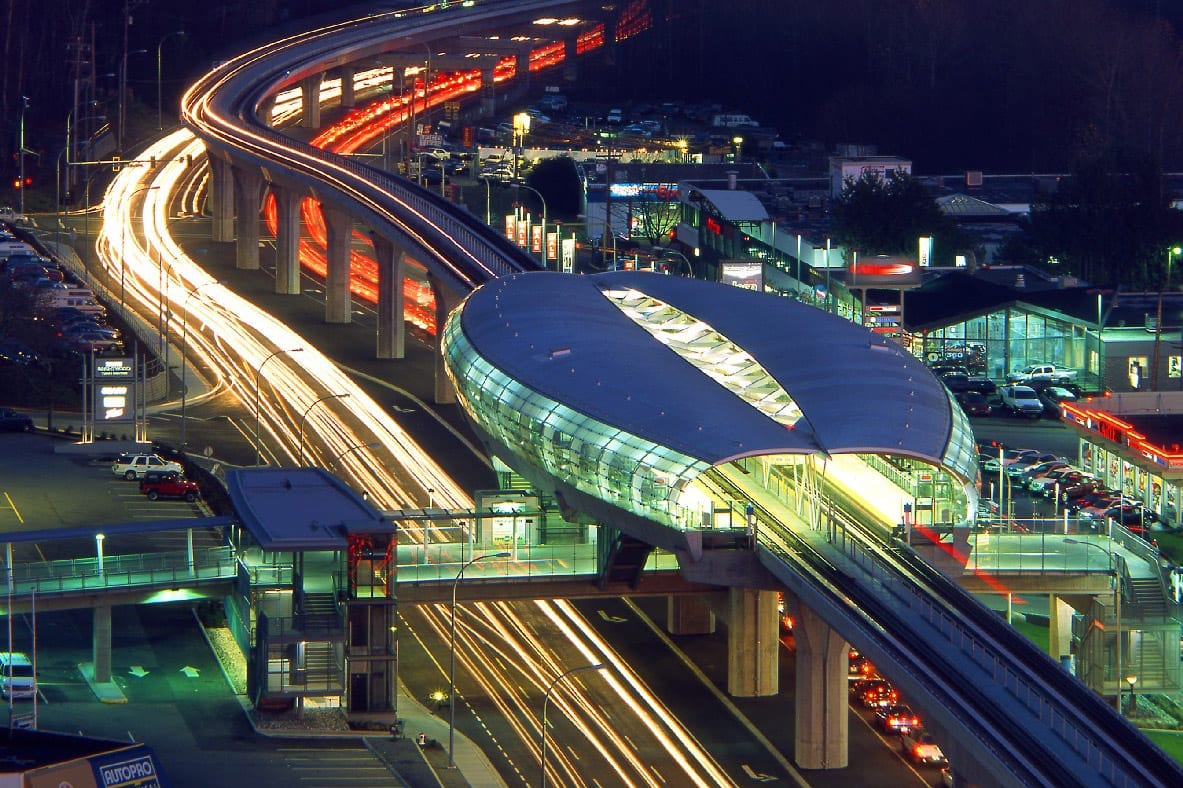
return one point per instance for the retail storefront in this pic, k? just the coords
(1132, 447)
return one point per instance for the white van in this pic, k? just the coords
(734, 122)
(79, 298)
(16, 675)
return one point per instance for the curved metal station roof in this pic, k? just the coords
(679, 361)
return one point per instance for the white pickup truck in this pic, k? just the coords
(1038, 373)
(1022, 400)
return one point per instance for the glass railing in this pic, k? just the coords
(441, 562)
(121, 571)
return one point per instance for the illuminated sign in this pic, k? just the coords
(713, 225)
(1111, 428)
(113, 389)
(748, 274)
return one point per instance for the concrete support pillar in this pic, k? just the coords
(488, 93)
(1059, 628)
(339, 228)
(310, 102)
(221, 201)
(101, 643)
(689, 615)
(571, 59)
(287, 241)
(267, 110)
(445, 301)
(248, 194)
(822, 716)
(347, 97)
(392, 327)
(752, 643)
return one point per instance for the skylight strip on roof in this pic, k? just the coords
(713, 354)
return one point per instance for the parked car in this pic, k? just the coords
(1022, 400)
(1046, 484)
(1075, 492)
(974, 403)
(133, 466)
(17, 679)
(1020, 466)
(1040, 469)
(11, 421)
(996, 460)
(918, 746)
(168, 484)
(12, 352)
(1051, 397)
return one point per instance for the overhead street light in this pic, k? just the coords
(122, 135)
(258, 381)
(184, 350)
(452, 658)
(159, 80)
(1165, 284)
(1115, 575)
(546, 702)
(300, 453)
(370, 445)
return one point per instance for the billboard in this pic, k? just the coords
(113, 390)
(748, 274)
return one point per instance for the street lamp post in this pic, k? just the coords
(184, 350)
(258, 380)
(123, 244)
(543, 201)
(121, 136)
(1132, 680)
(159, 80)
(21, 153)
(521, 127)
(1172, 252)
(546, 703)
(452, 658)
(370, 445)
(1116, 575)
(685, 259)
(300, 453)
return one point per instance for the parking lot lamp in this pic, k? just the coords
(546, 702)
(452, 658)
(184, 349)
(1165, 284)
(159, 80)
(521, 127)
(258, 380)
(98, 547)
(1115, 575)
(300, 453)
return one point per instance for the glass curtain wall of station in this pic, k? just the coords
(601, 460)
(1003, 341)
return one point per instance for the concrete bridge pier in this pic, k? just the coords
(347, 95)
(488, 93)
(248, 194)
(445, 302)
(689, 615)
(287, 241)
(266, 111)
(822, 718)
(101, 643)
(221, 202)
(339, 227)
(753, 643)
(310, 101)
(392, 326)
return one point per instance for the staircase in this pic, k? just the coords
(319, 612)
(625, 562)
(320, 671)
(1147, 662)
(1148, 597)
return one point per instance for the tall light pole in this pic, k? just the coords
(1116, 576)
(21, 152)
(370, 445)
(300, 453)
(159, 79)
(123, 91)
(452, 658)
(123, 242)
(685, 259)
(1165, 284)
(521, 127)
(546, 702)
(258, 380)
(543, 201)
(184, 350)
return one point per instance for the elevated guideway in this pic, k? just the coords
(1006, 714)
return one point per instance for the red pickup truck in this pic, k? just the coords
(168, 484)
